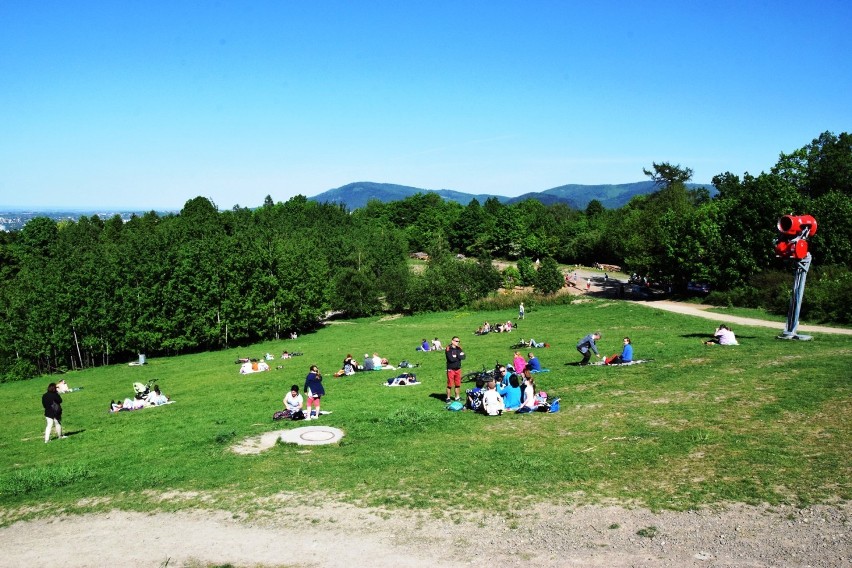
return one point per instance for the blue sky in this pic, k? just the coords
(149, 104)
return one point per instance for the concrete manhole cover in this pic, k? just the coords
(312, 435)
(304, 436)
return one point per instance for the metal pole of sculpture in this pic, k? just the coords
(793, 244)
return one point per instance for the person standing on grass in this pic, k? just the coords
(314, 391)
(52, 403)
(587, 345)
(454, 355)
(521, 311)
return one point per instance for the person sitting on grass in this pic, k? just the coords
(503, 375)
(519, 363)
(474, 396)
(436, 345)
(722, 336)
(492, 402)
(348, 365)
(511, 393)
(293, 401)
(528, 401)
(424, 346)
(156, 398)
(625, 357)
(533, 364)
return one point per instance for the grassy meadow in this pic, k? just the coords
(765, 422)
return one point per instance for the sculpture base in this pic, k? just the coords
(788, 335)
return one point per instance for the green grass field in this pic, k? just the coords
(767, 421)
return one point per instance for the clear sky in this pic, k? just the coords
(148, 104)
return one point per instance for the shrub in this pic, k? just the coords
(18, 370)
(511, 277)
(526, 269)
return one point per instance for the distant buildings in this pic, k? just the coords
(15, 220)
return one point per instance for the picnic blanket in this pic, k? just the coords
(634, 362)
(141, 407)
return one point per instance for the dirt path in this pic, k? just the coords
(337, 535)
(700, 311)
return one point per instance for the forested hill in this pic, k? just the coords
(612, 196)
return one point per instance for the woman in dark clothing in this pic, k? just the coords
(52, 403)
(314, 391)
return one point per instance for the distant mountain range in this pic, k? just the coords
(356, 195)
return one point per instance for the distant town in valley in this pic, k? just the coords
(13, 219)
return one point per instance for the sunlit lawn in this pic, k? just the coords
(767, 421)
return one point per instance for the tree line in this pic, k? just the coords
(95, 291)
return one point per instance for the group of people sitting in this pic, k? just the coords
(142, 399)
(514, 392)
(496, 328)
(376, 363)
(253, 366)
(519, 364)
(250, 365)
(722, 336)
(426, 345)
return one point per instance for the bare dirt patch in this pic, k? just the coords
(339, 535)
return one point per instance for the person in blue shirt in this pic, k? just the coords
(425, 346)
(511, 393)
(626, 354)
(502, 376)
(474, 396)
(533, 364)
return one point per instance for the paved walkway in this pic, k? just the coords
(700, 311)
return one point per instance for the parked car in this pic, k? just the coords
(698, 287)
